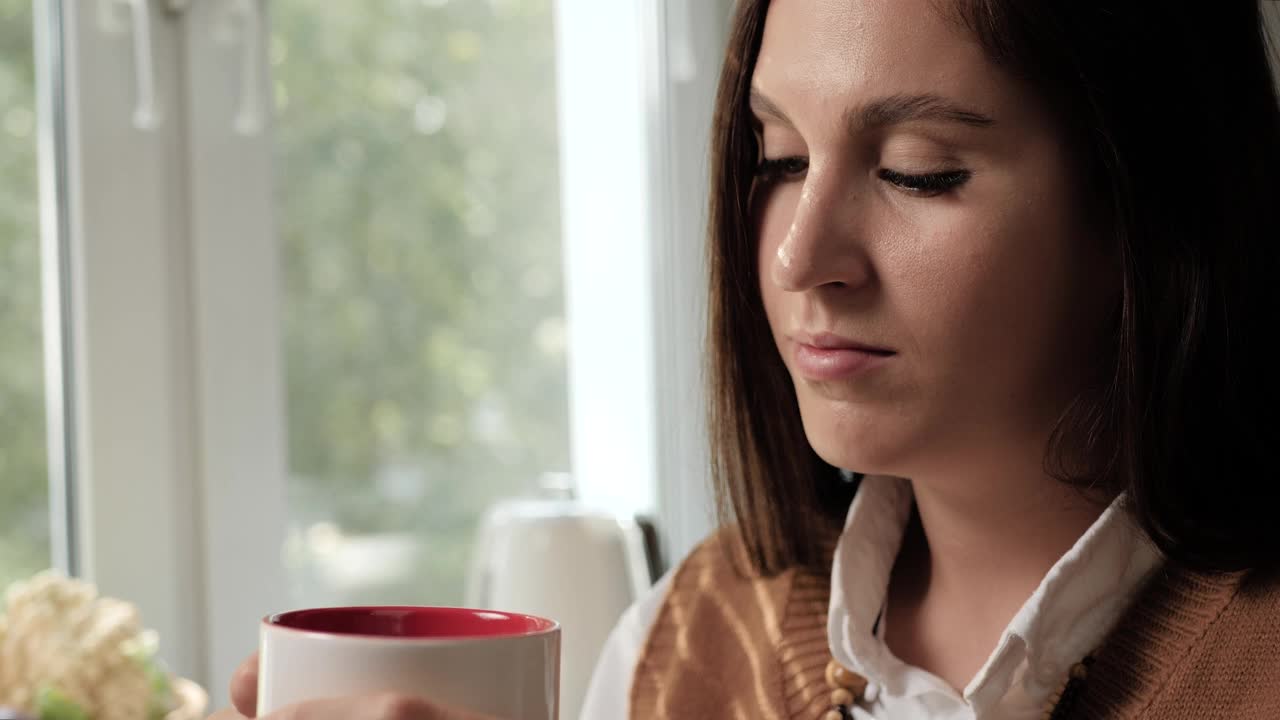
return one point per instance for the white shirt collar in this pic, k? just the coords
(1076, 605)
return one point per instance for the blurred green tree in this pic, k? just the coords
(418, 214)
(418, 200)
(24, 533)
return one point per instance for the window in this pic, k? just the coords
(417, 207)
(24, 486)
(375, 267)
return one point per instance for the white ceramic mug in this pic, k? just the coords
(501, 664)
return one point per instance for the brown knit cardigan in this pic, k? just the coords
(724, 645)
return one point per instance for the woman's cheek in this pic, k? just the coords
(938, 278)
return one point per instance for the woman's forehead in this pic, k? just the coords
(827, 57)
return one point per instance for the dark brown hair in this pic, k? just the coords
(1174, 111)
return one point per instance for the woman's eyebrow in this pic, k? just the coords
(886, 111)
(897, 109)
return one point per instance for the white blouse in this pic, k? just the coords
(1076, 605)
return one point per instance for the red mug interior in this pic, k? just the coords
(412, 622)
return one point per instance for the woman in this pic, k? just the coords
(1007, 261)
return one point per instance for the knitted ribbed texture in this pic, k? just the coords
(1194, 646)
(726, 645)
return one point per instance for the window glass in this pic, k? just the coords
(418, 211)
(24, 487)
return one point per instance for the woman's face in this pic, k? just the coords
(918, 203)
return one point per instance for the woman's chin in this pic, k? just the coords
(874, 437)
(855, 451)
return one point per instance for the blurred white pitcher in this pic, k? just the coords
(555, 558)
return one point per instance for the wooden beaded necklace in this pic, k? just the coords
(848, 687)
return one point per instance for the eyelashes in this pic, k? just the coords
(776, 170)
(928, 184)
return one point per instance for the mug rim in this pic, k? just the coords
(544, 626)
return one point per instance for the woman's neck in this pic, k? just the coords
(972, 555)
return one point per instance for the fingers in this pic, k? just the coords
(383, 706)
(386, 706)
(244, 687)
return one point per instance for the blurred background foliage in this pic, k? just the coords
(423, 314)
(24, 522)
(418, 200)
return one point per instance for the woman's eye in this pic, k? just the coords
(784, 168)
(926, 185)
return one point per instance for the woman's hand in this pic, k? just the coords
(381, 706)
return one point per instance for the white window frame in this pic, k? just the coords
(161, 266)
(124, 372)
(635, 272)
(171, 307)
(687, 41)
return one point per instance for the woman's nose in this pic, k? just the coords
(824, 244)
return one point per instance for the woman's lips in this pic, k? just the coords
(835, 363)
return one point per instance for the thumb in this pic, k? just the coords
(244, 687)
